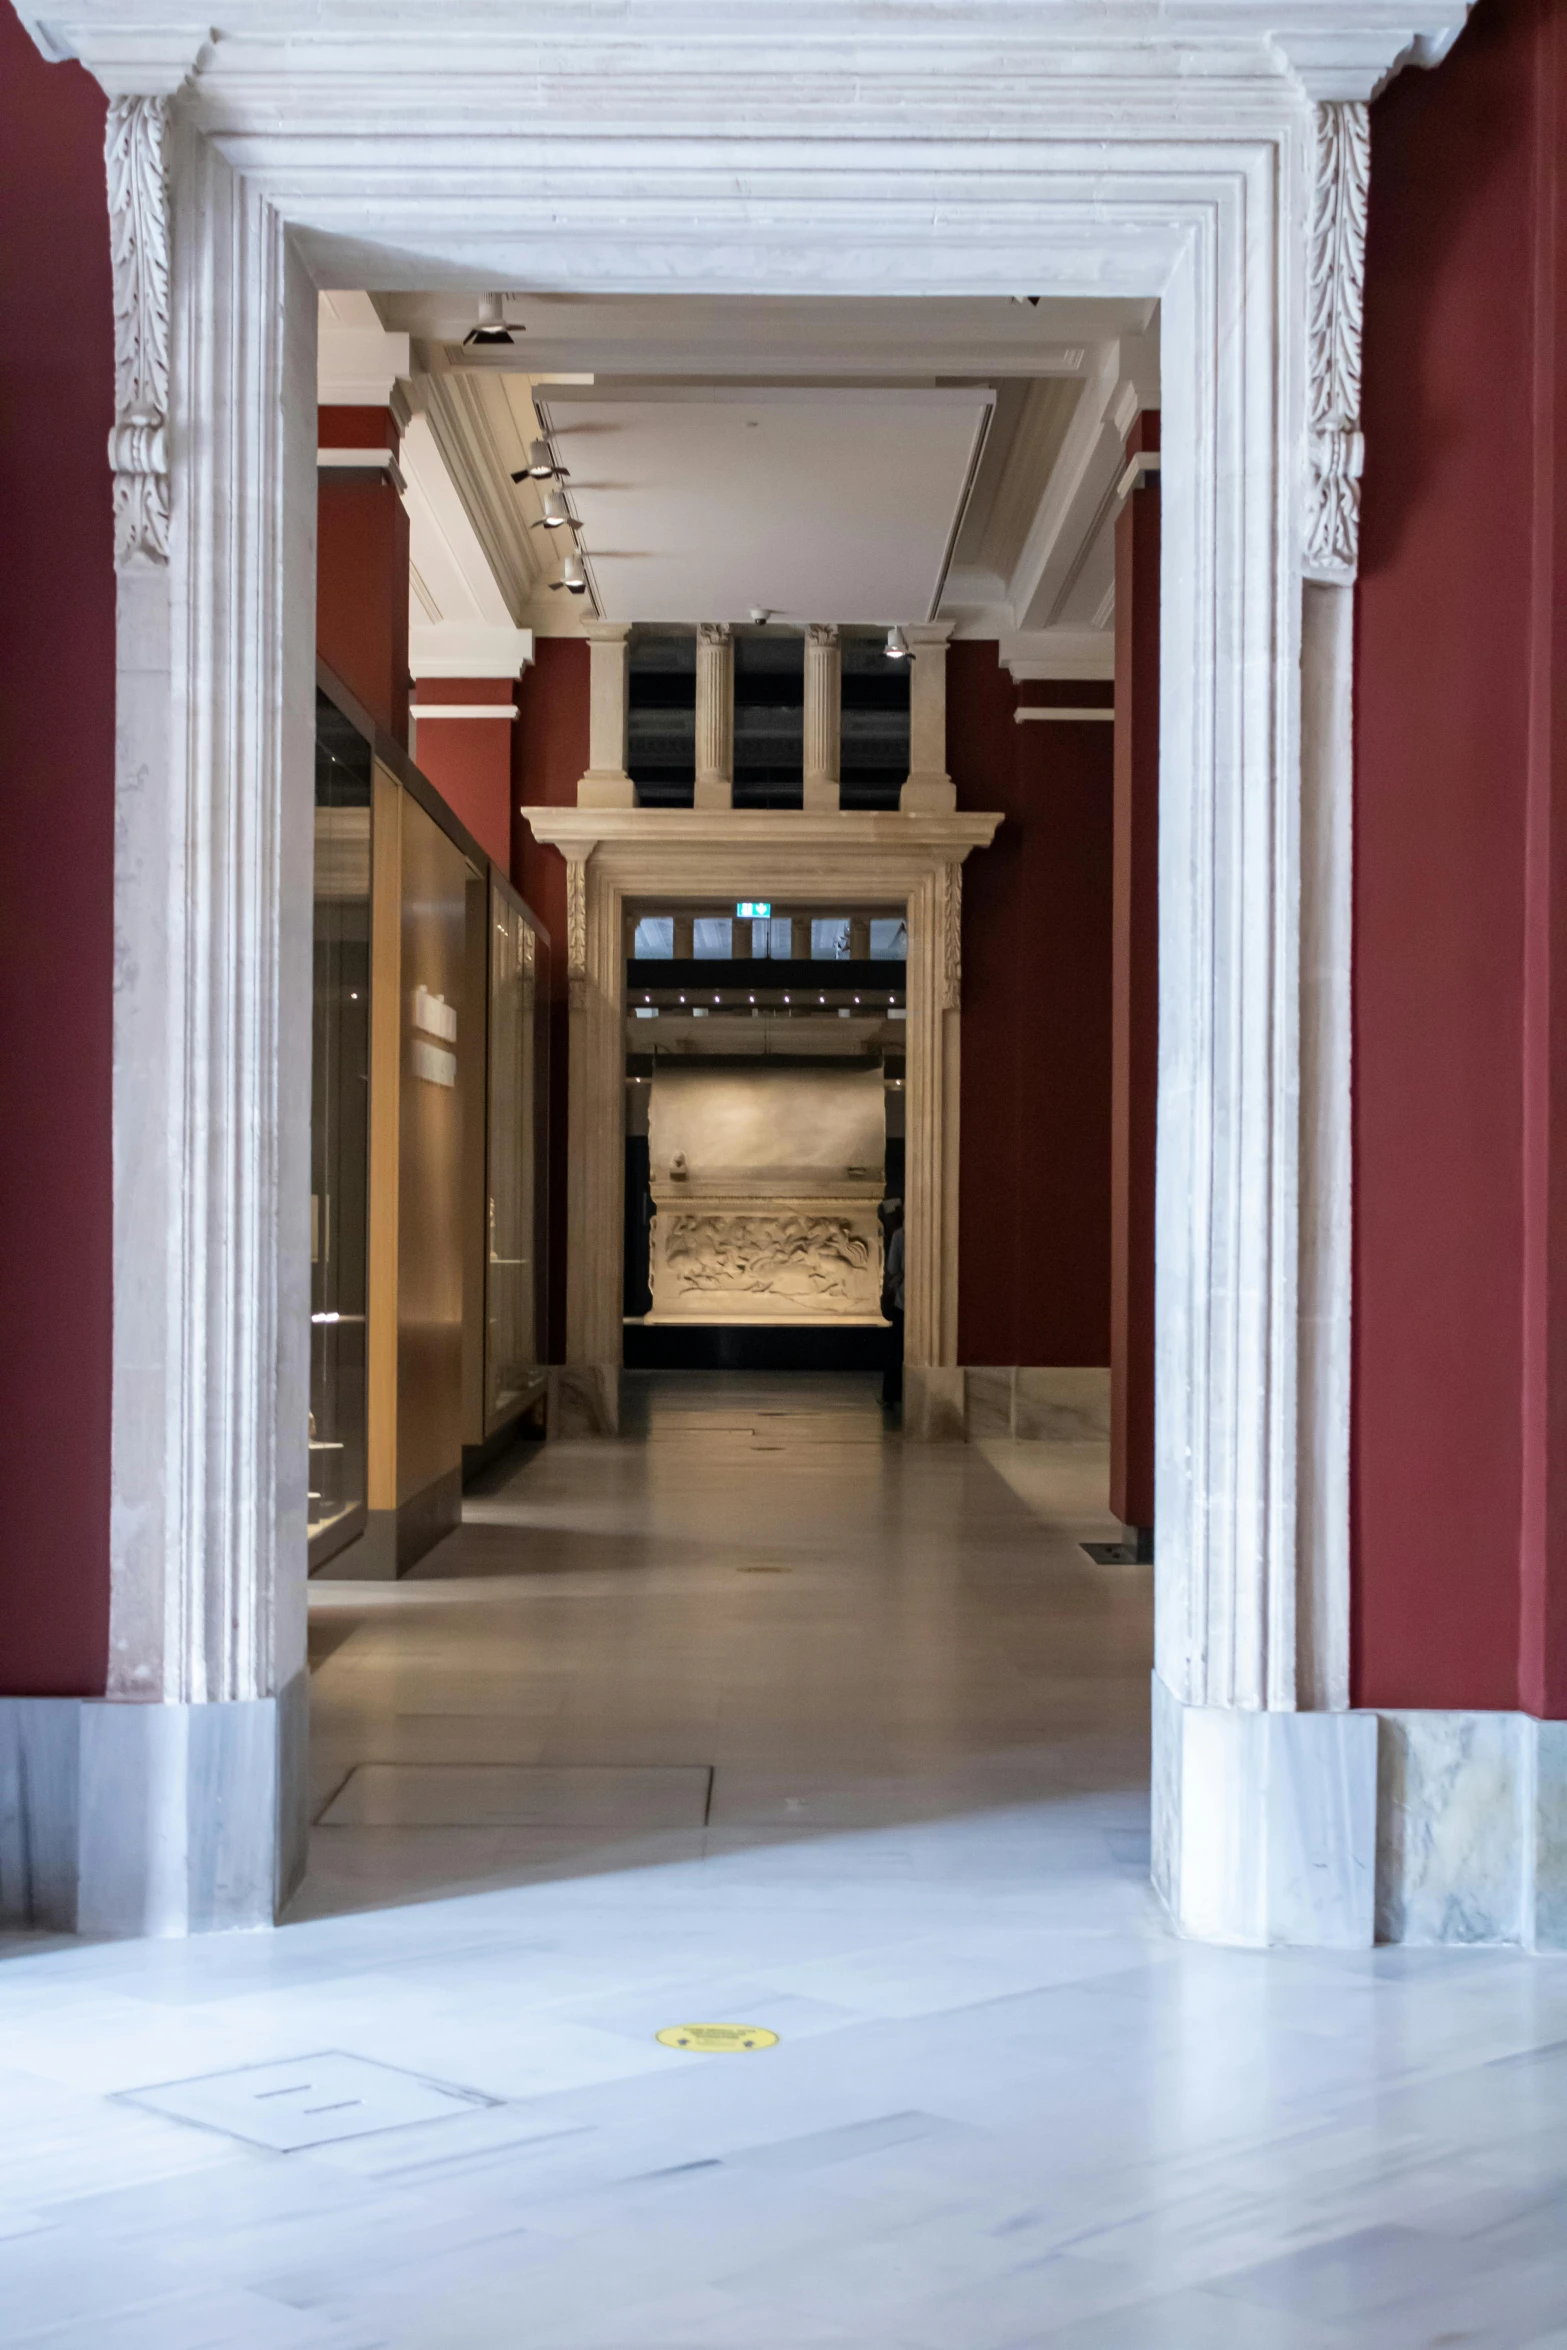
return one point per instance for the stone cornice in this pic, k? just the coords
(407, 55)
(852, 836)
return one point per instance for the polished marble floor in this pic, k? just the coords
(759, 1716)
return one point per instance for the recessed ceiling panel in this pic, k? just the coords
(710, 502)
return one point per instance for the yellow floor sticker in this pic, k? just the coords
(716, 2039)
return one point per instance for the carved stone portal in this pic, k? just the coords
(766, 1184)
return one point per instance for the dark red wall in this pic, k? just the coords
(362, 569)
(549, 758)
(1034, 1199)
(56, 874)
(469, 760)
(1460, 916)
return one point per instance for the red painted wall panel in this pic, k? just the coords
(1034, 1197)
(362, 570)
(549, 757)
(56, 875)
(1450, 771)
(469, 760)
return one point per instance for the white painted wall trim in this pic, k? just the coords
(502, 710)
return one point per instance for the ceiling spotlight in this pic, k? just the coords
(555, 516)
(897, 645)
(541, 466)
(492, 327)
(572, 577)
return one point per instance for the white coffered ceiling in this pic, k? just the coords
(822, 459)
(705, 502)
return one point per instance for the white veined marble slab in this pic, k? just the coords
(308, 2101)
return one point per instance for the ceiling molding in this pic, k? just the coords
(1078, 501)
(458, 411)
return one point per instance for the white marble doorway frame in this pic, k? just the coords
(1216, 166)
(827, 859)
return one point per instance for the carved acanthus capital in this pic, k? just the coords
(823, 635)
(1336, 285)
(135, 150)
(713, 632)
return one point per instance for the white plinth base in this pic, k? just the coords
(1472, 1829)
(151, 1819)
(606, 787)
(928, 795)
(1264, 1824)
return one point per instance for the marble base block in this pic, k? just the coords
(584, 1399)
(1545, 1906)
(933, 1408)
(1038, 1403)
(1472, 1829)
(1264, 1824)
(151, 1819)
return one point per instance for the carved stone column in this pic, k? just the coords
(715, 716)
(606, 783)
(929, 790)
(823, 704)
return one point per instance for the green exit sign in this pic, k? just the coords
(754, 910)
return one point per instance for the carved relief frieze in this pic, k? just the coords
(784, 1260)
(135, 151)
(1336, 298)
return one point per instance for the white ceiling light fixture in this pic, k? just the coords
(897, 645)
(492, 327)
(555, 515)
(572, 577)
(541, 465)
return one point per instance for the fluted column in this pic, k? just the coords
(715, 716)
(929, 790)
(823, 697)
(606, 783)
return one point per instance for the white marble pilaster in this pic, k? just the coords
(715, 716)
(823, 706)
(929, 789)
(606, 783)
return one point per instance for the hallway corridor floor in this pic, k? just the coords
(760, 1716)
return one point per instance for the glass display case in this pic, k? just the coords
(515, 1143)
(339, 1133)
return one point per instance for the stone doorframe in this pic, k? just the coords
(808, 858)
(1211, 161)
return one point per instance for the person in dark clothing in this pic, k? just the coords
(892, 1301)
